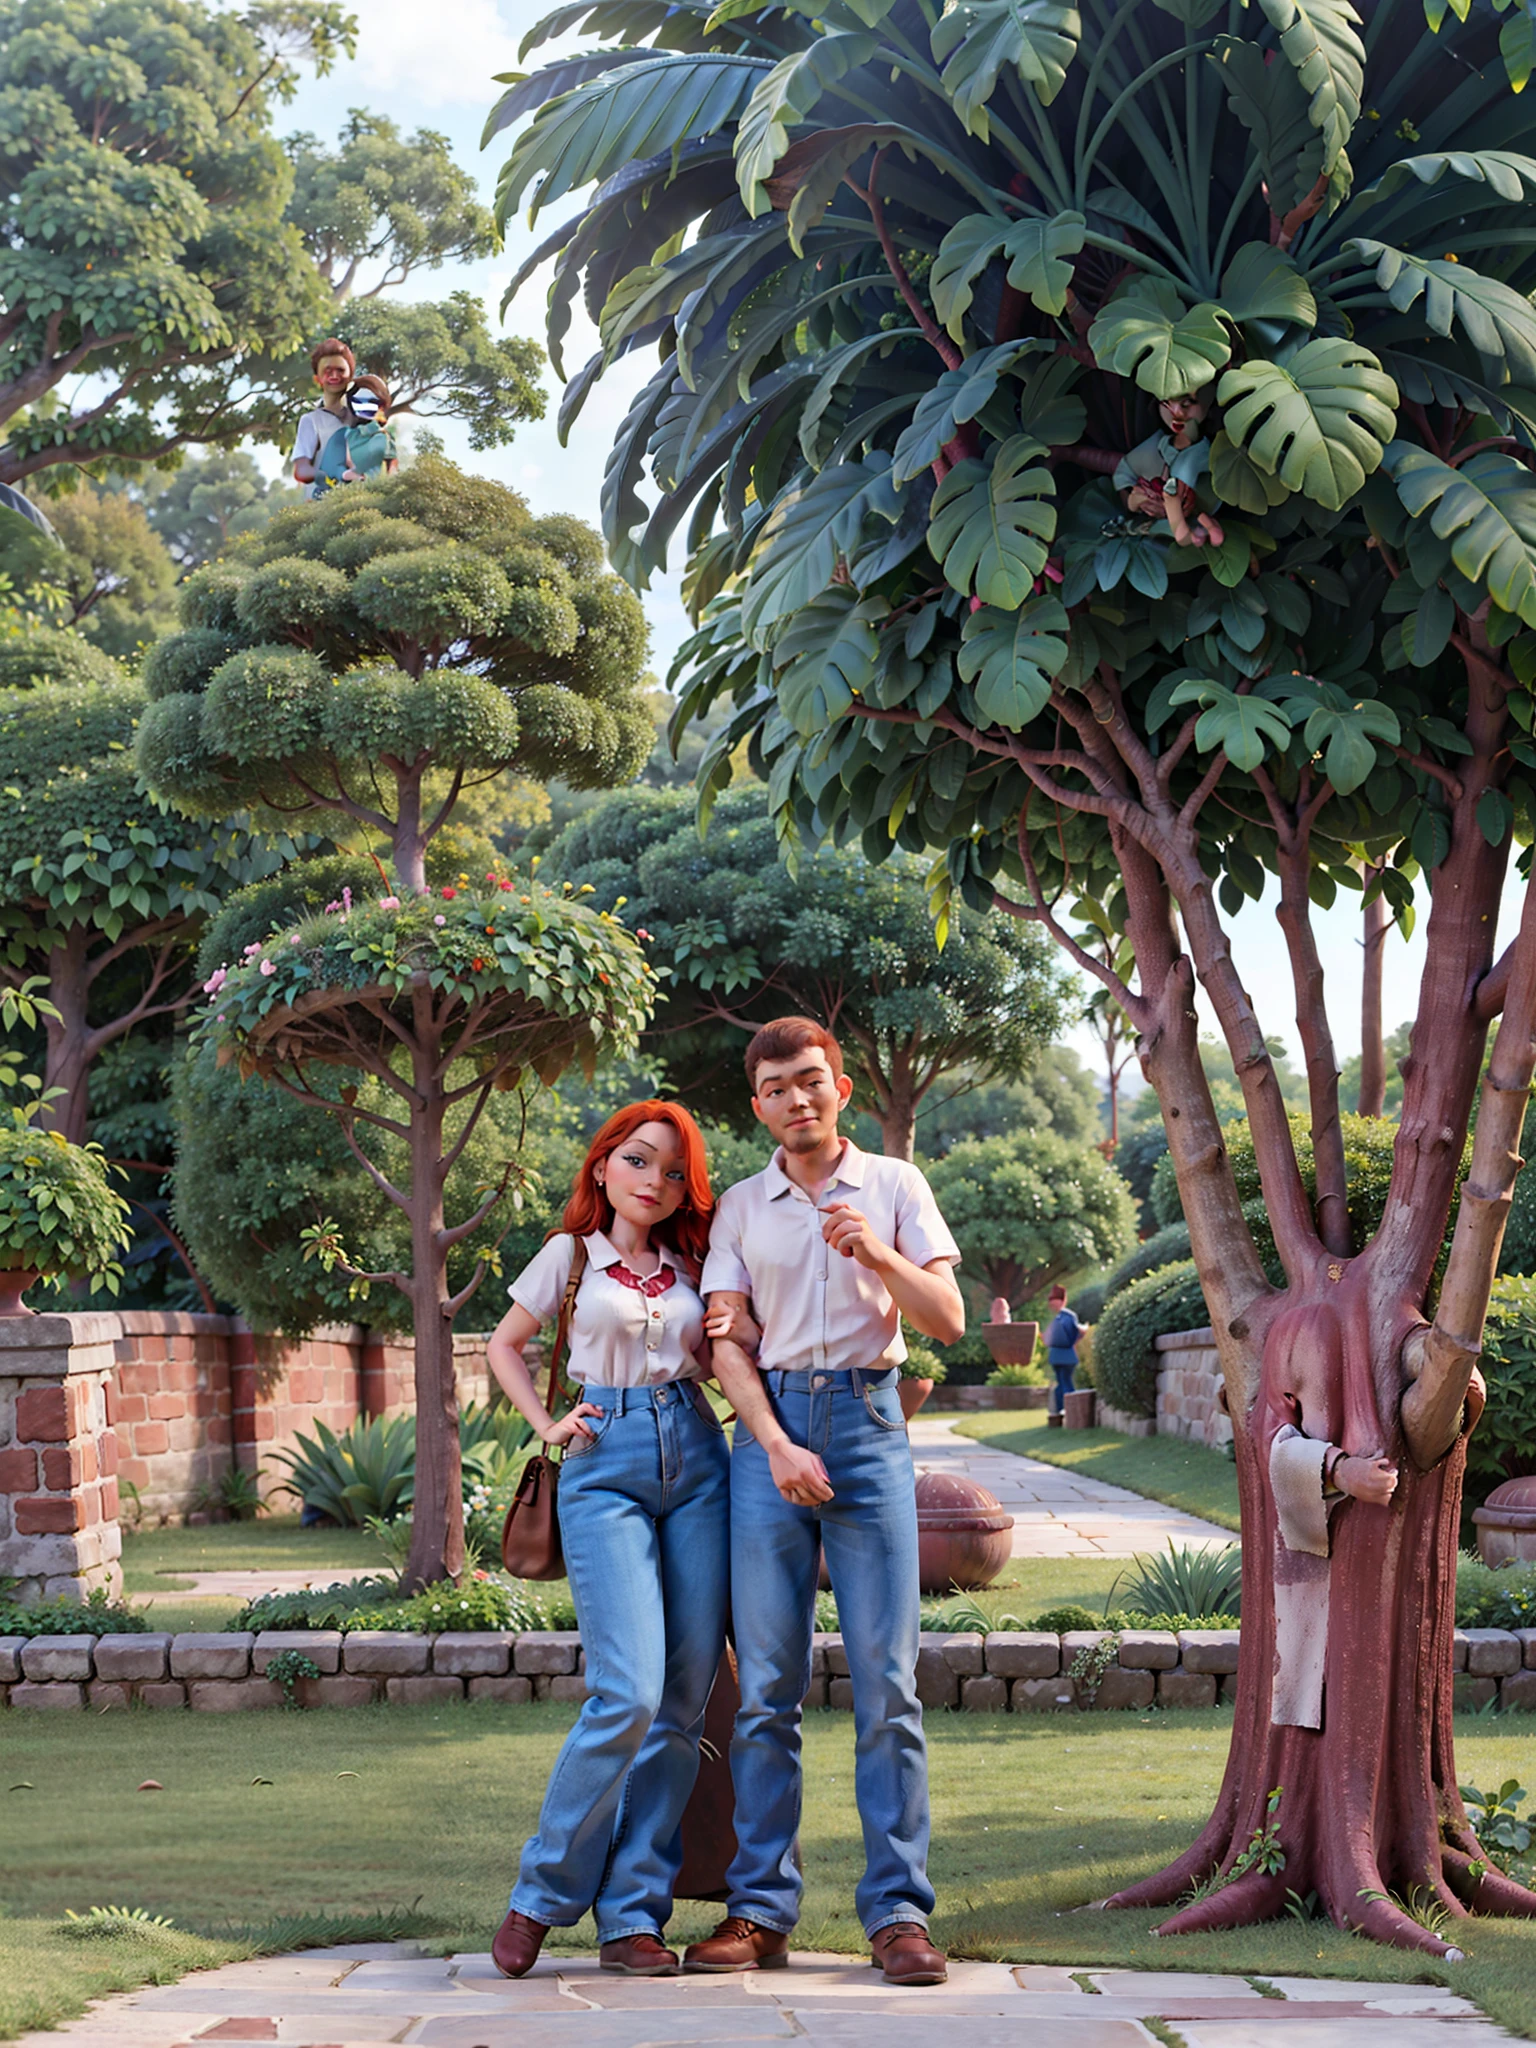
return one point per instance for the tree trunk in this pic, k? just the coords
(70, 1040)
(437, 1518)
(1373, 1052)
(898, 1127)
(1369, 1805)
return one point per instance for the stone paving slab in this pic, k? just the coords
(1058, 1513)
(367, 1998)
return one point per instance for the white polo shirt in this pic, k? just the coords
(622, 1334)
(818, 1310)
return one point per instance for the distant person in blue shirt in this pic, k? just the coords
(1061, 1335)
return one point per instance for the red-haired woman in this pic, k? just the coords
(644, 1508)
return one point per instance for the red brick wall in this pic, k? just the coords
(59, 1532)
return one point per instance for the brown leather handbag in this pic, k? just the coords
(709, 1826)
(530, 1536)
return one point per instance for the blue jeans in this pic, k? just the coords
(869, 1530)
(1066, 1375)
(643, 1518)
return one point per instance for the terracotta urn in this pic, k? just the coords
(964, 1537)
(1506, 1522)
(1011, 1343)
(14, 1282)
(913, 1393)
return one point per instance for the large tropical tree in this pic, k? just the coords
(919, 281)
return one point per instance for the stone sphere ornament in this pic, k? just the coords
(964, 1535)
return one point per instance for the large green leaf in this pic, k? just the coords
(612, 121)
(1517, 46)
(1342, 729)
(1320, 422)
(1036, 252)
(1010, 657)
(1267, 98)
(810, 530)
(957, 396)
(1262, 283)
(784, 99)
(1246, 727)
(1507, 175)
(1321, 42)
(1486, 509)
(992, 524)
(1238, 480)
(805, 179)
(1499, 323)
(1144, 332)
(975, 39)
(825, 658)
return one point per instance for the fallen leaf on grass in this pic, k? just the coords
(25, 1786)
(261, 1781)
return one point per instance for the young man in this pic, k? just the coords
(829, 1248)
(334, 367)
(1061, 1335)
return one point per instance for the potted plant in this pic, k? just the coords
(921, 1371)
(1010, 1343)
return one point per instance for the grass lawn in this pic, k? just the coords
(1166, 1468)
(1031, 1819)
(160, 1560)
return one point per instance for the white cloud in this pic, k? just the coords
(434, 60)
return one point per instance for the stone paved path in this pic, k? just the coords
(1057, 1513)
(363, 1997)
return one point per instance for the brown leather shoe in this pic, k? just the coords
(637, 1955)
(516, 1947)
(738, 1944)
(906, 1955)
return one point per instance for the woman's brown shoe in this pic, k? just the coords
(738, 1944)
(906, 1954)
(637, 1955)
(516, 1947)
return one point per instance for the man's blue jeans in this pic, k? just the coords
(869, 1530)
(1066, 1379)
(643, 1518)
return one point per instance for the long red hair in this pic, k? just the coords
(687, 1228)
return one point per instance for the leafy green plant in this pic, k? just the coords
(1124, 1361)
(96, 1615)
(1190, 1578)
(1421, 1903)
(1262, 1852)
(235, 1493)
(287, 1668)
(1494, 1597)
(1016, 1376)
(922, 1362)
(1067, 1619)
(963, 1613)
(1088, 1668)
(1503, 1446)
(98, 1922)
(59, 1213)
(480, 1602)
(1500, 1829)
(368, 1470)
(338, 1605)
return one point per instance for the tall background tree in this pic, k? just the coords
(842, 939)
(918, 285)
(354, 666)
(165, 264)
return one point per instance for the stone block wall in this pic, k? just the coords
(59, 1531)
(1188, 1383)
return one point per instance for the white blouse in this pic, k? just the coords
(621, 1334)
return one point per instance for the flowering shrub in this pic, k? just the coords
(504, 938)
(58, 1212)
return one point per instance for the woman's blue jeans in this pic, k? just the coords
(643, 1518)
(1066, 1377)
(854, 1423)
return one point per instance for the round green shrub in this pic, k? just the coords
(186, 660)
(1503, 1445)
(1160, 1249)
(59, 1214)
(211, 597)
(288, 594)
(434, 595)
(38, 655)
(266, 704)
(1124, 1362)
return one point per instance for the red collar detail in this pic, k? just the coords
(657, 1283)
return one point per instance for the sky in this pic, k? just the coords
(426, 70)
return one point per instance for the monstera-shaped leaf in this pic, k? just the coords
(1010, 658)
(1486, 509)
(1036, 251)
(1145, 332)
(992, 524)
(1319, 422)
(976, 40)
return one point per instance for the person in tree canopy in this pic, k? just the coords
(334, 367)
(358, 454)
(1160, 476)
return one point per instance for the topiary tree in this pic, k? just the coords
(923, 284)
(1030, 1208)
(356, 664)
(102, 891)
(841, 939)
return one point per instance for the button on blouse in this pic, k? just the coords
(627, 1329)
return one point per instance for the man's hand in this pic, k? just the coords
(1372, 1478)
(847, 1230)
(799, 1475)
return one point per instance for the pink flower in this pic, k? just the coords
(269, 967)
(641, 932)
(346, 902)
(389, 903)
(253, 948)
(439, 919)
(333, 906)
(215, 981)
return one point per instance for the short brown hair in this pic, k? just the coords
(333, 347)
(786, 1036)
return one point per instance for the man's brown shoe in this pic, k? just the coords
(637, 1955)
(516, 1947)
(739, 1945)
(906, 1954)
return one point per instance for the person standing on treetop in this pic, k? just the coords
(826, 1249)
(357, 454)
(334, 367)
(1061, 1335)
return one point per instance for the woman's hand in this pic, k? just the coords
(1372, 1478)
(728, 1323)
(560, 1433)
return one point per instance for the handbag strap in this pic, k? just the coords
(562, 1342)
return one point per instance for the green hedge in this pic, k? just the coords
(1503, 1445)
(1124, 1362)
